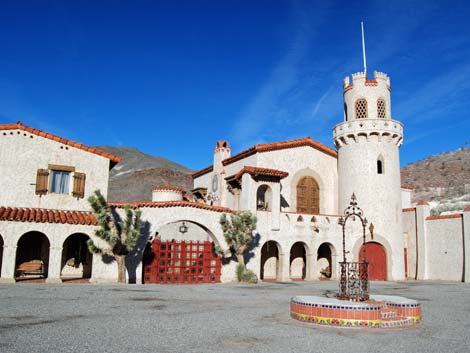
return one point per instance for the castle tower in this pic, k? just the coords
(221, 152)
(368, 144)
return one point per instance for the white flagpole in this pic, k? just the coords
(364, 48)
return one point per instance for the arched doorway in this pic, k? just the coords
(32, 255)
(308, 196)
(298, 261)
(377, 259)
(270, 266)
(324, 261)
(181, 252)
(76, 259)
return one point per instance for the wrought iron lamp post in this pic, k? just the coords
(354, 280)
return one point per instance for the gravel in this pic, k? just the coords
(215, 318)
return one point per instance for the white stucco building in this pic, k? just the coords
(298, 190)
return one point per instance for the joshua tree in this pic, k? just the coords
(121, 236)
(238, 233)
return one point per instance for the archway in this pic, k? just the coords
(1, 254)
(32, 255)
(181, 252)
(324, 261)
(264, 198)
(76, 259)
(270, 268)
(298, 261)
(376, 256)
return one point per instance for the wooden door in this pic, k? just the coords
(308, 196)
(377, 259)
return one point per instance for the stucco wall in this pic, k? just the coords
(444, 249)
(409, 233)
(22, 154)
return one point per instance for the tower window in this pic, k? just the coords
(361, 109)
(345, 112)
(380, 166)
(381, 112)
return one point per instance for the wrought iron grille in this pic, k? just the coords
(354, 279)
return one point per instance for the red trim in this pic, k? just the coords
(202, 172)
(411, 209)
(432, 218)
(19, 126)
(406, 187)
(167, 188)
(42, 215)
(254, 171)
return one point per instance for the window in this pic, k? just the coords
(308, 196)
(345, 112)
(60, 181)
(361, 109)
(381, 112)
(380, 165)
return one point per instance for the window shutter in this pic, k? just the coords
(79, 185)
(42, 181)
(308, 196)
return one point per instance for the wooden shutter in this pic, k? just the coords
(42, 181)
(308, 196)
(78, 185)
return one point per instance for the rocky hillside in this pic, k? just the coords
(135, 176)
(444, 177)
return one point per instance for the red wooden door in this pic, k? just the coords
(377, 259)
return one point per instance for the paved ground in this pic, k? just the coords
(214, 318)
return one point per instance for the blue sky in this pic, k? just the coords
(172, 77)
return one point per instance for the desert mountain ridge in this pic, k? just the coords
(443, 179)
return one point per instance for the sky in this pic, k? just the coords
(172, 77)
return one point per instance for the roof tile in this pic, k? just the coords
(41, 215)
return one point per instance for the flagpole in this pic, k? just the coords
(363, 48)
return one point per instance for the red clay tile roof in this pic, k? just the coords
(266, 147)
(167, 188)
(411, 209)
(167, 204)
(430, 218)
(422, 203)
(255, 171)
(42, 215)
(202, 172)
(372, 82)
(19, 126)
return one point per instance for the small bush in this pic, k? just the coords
(244, 275)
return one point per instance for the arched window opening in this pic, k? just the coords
(361, 109)
(300, 219)
(381, 111)
(345, 112)
(313, 219)
(380, 165)
(308, 196)
(264, 198)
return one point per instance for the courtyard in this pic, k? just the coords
(37, 317)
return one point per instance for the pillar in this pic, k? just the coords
(276, 206)
(466, 244)
(55, 264)
(8, 264)
(422, 211)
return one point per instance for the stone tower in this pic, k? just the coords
(368, 144)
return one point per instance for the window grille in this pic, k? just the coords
(381, 113)
(361, 109)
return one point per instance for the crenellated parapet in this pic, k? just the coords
(360, 78)
(355, 131)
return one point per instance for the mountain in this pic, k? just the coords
(138, 173)
(443, 178)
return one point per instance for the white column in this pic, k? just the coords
(8, 264)
(284, 262)
(248, 194)
(55, 264)
(276, 206)
(422, 211)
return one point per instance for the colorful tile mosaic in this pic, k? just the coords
(402, 313)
